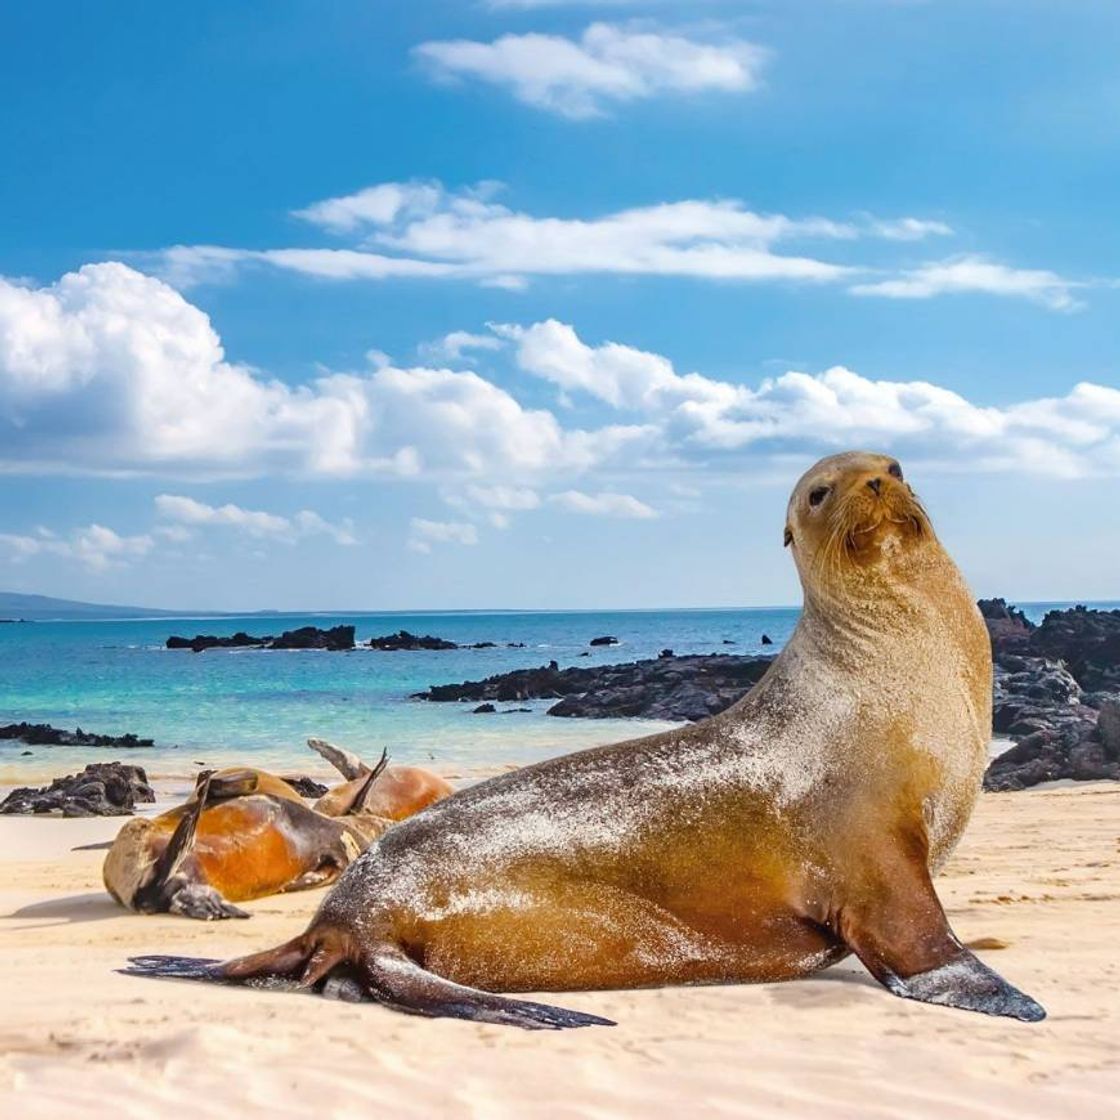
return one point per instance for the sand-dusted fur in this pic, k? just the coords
(762, 844)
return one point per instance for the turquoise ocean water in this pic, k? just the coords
(259, 707)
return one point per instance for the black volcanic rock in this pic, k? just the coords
(305, 637)
(337, 638)
(1009, 629)
(43, 735)
(605, 640)
(102, 789)
(1088, 641)
(669, 688)
(211, 641)
(403, 640)
(484, 710)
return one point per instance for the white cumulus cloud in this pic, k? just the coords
(111, 370)
(703, 419)
(606, 65)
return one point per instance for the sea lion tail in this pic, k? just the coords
(384, 974)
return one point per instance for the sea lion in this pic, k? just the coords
(762, 844)
(245, 833)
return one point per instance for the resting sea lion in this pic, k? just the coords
(245, 834)
(762, 844)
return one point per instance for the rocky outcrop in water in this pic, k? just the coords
(403, 640)
(102, 789)
(305, 637)
(43, 735)
(668, 688)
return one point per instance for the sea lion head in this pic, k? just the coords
(853, 518)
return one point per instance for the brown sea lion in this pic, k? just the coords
(399, 793)
(245, 834)
(765, 843)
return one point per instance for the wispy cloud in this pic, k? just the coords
(606, 65)
(454, 347)
(604, 504)
(424, 534)
(95, 546)
(422, 231)
(977, 274)
(256, 523)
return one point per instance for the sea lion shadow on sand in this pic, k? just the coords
(92, 906)
(801, 825)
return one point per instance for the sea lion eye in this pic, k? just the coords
(818, 495)
(895, 471)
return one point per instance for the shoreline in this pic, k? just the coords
(1037, 871)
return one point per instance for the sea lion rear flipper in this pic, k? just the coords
(900, 933)
(384, 974)
(348, 764)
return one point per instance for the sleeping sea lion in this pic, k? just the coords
(802, 824)
(245, 833)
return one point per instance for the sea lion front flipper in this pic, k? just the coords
(897, 928)
(174, 886)
(201, 901)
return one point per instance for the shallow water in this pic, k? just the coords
(259, 707)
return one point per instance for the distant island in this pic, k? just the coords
(17, 607)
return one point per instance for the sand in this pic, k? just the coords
(1038, 873)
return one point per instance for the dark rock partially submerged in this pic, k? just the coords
(102, 789)
(668, 688)
(605, 640)
(305, 637)
(43, 735)
(403, 640)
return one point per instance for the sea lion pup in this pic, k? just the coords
(245, 833)
(762, 844)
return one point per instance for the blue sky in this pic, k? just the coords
(531, 304)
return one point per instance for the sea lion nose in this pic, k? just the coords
(876, 484)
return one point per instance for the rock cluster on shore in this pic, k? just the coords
(1057, 695)
(102, 789)
(43, 735)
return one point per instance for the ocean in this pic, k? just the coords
(259, 707)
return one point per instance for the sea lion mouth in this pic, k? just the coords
(861, 522)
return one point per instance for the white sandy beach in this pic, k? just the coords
(1038, 872)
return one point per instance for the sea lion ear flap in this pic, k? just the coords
(787, 537)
